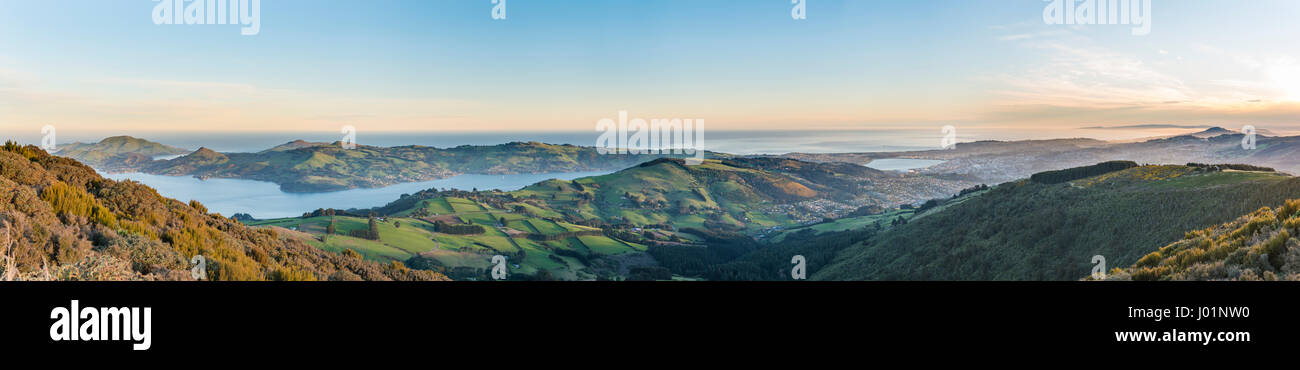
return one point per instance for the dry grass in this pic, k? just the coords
(9, 264)
(6, 246)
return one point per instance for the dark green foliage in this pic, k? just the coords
(1032, 231)
(447, 228)
(1071, 174)
(649, 273)
(741, 259)
(373, 229)
(1237, 167)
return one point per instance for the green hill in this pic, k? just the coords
(1025, 230)
(422, 237)
(118, 151)
(590, 228)
(732, 195)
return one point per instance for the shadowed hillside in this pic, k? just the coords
(1025, 230)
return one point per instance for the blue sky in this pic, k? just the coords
(445, 65)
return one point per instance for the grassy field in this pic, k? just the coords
(1219, 178)
(715, 194)
(416, 236)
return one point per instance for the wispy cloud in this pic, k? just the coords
(1078, 80)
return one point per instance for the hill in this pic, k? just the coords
(1025, 230)
(734, 194)
(601, 227)
(301, 166)
(1262, 245)
(118, 152)
(1001, 161)
(59, 220)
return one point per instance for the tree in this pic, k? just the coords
(397, 224)
(544, 275)
(374, 229)
(329, 230)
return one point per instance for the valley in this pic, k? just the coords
(732, 217)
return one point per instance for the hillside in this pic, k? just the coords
(738, 194)
(1025, 230)
(597, 227)
(301, 166)
(117, 152)
(59, 220)
(458, 236)
(1262, 245)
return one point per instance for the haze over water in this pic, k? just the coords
(266, 200)
(735, 142)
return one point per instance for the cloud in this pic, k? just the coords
(1079, 80)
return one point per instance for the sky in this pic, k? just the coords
(561, 65)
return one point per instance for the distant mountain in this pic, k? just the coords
(118, 151)
(1142, 127)
(1212, 132)
(997, 161)
(296, 144)
(59, 220)
(1261, 245)
(301, 166)
(1025, 230)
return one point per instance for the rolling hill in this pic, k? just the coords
(1026, 230)
(590, 228)
(118, 152)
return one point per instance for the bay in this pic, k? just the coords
(902, 164)
(264, 200)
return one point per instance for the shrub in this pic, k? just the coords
(1149, 260)
(68, 200)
